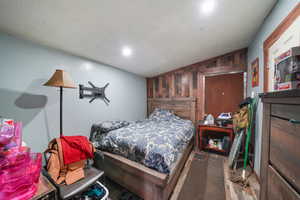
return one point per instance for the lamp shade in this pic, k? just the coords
(60, 79)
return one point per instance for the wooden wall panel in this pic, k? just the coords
(150, 88)
(200, 96)
(189, 81)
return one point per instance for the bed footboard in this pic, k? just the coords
(146, 183)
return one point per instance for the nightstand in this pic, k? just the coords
(46, 191)
(207, 135)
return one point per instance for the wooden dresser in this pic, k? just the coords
(280, 159)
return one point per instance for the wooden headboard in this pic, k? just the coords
(182, 107)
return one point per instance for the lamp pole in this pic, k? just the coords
(61, 114)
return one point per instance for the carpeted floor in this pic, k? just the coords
(205, 179)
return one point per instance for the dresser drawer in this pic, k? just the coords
(285, 149)
(278, 188)
(286, 111)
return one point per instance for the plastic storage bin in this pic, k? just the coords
(19, 168)
(91, 194)
(105, 197)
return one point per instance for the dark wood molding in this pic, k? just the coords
(189, 81)
(281, 28)
(237, 61)
(200, 97)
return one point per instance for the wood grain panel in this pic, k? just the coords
(182, 107)
(278, 188)
(286, 111)
(189, 81)
(185, 85)
(265, 146)
(150, 88)
(284, 149)
(279, 140)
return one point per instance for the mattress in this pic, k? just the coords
(156, 142)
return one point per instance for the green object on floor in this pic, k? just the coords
(251, 108)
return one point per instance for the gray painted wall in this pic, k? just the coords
(25, 66)
(279, 12)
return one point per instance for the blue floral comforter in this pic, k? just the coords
(155, 142)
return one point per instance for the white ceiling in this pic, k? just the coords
(163, 34)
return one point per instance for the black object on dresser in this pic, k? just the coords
(280, 159)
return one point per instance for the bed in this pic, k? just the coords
(146, 181)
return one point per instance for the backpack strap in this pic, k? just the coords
(63, 167)
(53, 162)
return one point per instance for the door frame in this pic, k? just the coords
(201, 82)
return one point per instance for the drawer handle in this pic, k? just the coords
(293, 121)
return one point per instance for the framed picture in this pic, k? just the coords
(283, 38)
(255, 72)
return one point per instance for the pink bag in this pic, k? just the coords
(6, 135)
(19, 171)
(10, 136)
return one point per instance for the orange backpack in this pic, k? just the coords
(56, 168)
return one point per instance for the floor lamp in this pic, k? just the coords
(62, 80)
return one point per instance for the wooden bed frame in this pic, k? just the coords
(182, 107)
(143, 181)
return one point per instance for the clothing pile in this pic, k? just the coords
(68, 155)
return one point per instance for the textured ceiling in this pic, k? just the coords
(163, 35)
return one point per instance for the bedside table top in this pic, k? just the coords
(200, 124)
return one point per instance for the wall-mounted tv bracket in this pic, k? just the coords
(93, 92)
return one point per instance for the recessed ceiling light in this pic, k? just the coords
(87, 66)
(126, 51)
(207, 6)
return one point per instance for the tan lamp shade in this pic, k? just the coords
(60, 79)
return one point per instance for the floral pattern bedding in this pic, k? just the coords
(155, 142)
